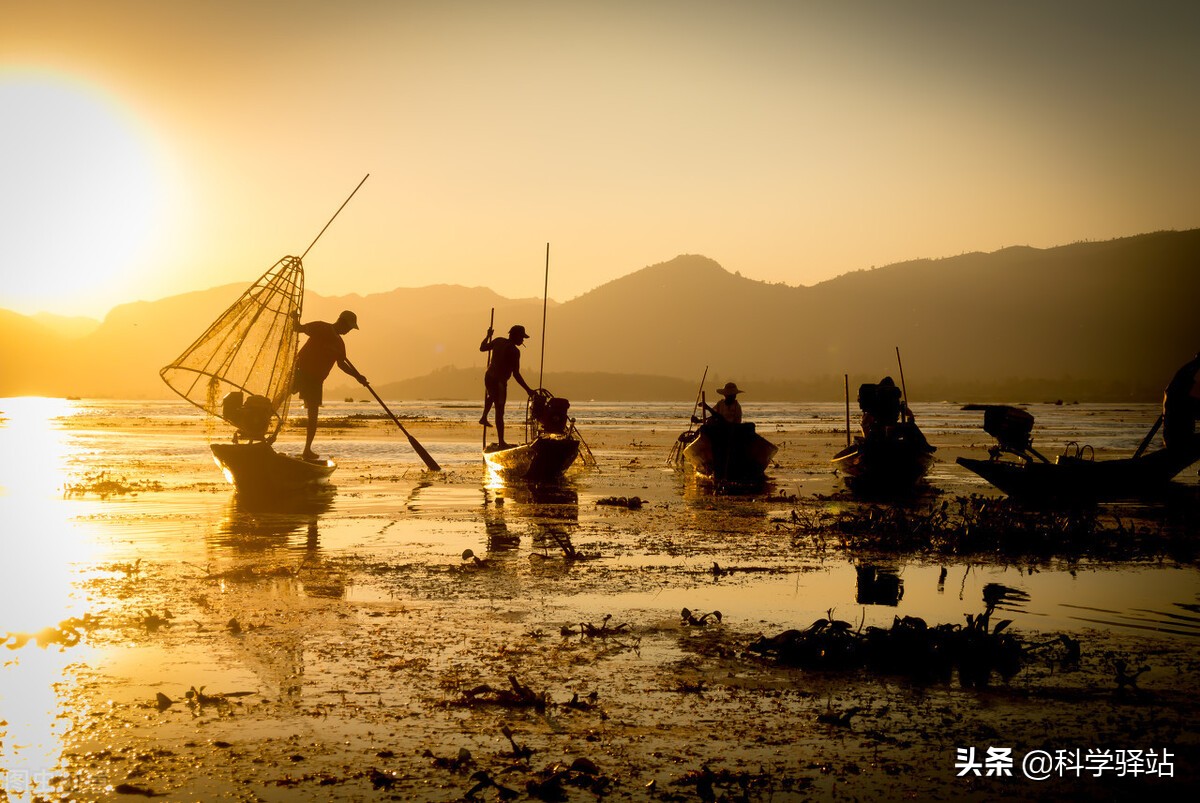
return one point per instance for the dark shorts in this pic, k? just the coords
(309, 388)
(497, 390)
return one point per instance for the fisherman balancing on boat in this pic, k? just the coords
(505, 362)
(323, 349)
(1181, 406)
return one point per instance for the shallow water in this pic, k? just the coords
(177, 507)
(100, 489)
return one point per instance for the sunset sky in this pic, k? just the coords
(150, 148)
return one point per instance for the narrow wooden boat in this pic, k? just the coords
(256, 467)
(891, 455)
(1019, 470)
(1074, 477)
(546, 458)
(893, 462)
(729, 455)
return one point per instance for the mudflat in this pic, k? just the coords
(626, 634)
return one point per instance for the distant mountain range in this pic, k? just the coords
(1089, 321)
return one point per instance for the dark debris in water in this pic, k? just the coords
(910, 647)
(974, 525)
(629, 502)
(104, 485)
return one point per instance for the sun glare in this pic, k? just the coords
(82, 197)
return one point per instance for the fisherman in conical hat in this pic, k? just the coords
(323, 349)
(728, 407)
(505, 363)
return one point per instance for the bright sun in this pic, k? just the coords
(82, 198)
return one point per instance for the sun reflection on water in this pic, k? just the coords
(41, 545)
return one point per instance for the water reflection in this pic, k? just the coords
(878, 585)
(258, 523)
(549, 513)
(38, 587)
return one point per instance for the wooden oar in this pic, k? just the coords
(417, 447)
(1149, 437)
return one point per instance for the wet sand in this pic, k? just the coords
(340, 646)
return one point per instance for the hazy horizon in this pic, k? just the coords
(152, 148)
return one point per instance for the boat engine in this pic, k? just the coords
(1011, 426)
(251, 416)
(551, 412)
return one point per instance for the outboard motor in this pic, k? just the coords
(256, 417)
(251, 416)
(1011, 426)
(551, 412)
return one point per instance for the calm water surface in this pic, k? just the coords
(177, 507)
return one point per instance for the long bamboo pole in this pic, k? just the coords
(491, 324)
(335, 214)
(545, 296)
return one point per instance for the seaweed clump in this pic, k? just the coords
(972, 525)
(910, 647)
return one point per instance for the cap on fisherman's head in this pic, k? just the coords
(349, 319)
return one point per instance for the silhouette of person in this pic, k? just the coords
(728, 409)
(323, 349)
(1181, 405)
(881, 407)
(505, 363)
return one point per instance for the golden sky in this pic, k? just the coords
(150, 148)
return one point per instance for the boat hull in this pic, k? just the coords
(258, 468)
(1075, 479)
(730, 455)
(886, 465)
(545, 458)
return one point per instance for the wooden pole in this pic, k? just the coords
(545, 296)
(847, 377)
(491, 323)
(335, 214)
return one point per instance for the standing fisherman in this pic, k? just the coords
(506, 362)
(323, 349)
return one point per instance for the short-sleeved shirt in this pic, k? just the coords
(321, 351)
(730, 411)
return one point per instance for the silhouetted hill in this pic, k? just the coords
(1107, 320)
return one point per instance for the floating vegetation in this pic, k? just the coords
(518, 695)
(631, 502)
(910, 647)
(971, 525)
(105, 485)
(690, 618)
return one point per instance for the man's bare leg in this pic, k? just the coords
(310, 433)
(500, 426)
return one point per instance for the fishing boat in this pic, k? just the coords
(551, 446)
(893, 461)
(891, 455)
(1019, 470)
(240, 371)
(730, 456)
(552, 442)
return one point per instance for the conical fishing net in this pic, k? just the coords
(250, 350)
